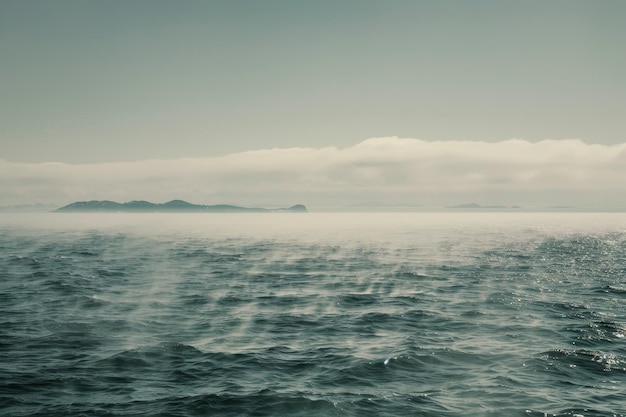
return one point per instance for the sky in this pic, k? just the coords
(325, 103)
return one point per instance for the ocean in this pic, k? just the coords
(313, 314)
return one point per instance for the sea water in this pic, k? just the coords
(317, 314)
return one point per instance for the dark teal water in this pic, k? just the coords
(313, 315)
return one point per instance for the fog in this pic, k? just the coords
(379, 171)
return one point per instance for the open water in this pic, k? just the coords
(318, 314)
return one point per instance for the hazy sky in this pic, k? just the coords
(116, 87)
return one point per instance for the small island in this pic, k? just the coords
(174, 206)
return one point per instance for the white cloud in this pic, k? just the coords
(385, 169)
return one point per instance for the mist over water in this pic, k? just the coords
(329, 314)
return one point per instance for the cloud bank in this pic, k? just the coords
(388, 170)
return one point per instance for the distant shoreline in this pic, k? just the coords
(174, 206)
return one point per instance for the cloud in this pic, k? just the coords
(391, 169)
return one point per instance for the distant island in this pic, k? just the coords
(174, 206)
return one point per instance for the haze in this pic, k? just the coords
(321, 103)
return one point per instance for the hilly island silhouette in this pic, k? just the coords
(177, 206)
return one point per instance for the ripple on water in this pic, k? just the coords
(452, 321)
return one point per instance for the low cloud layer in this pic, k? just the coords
(385, 170)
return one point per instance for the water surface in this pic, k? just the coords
(329, 314)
